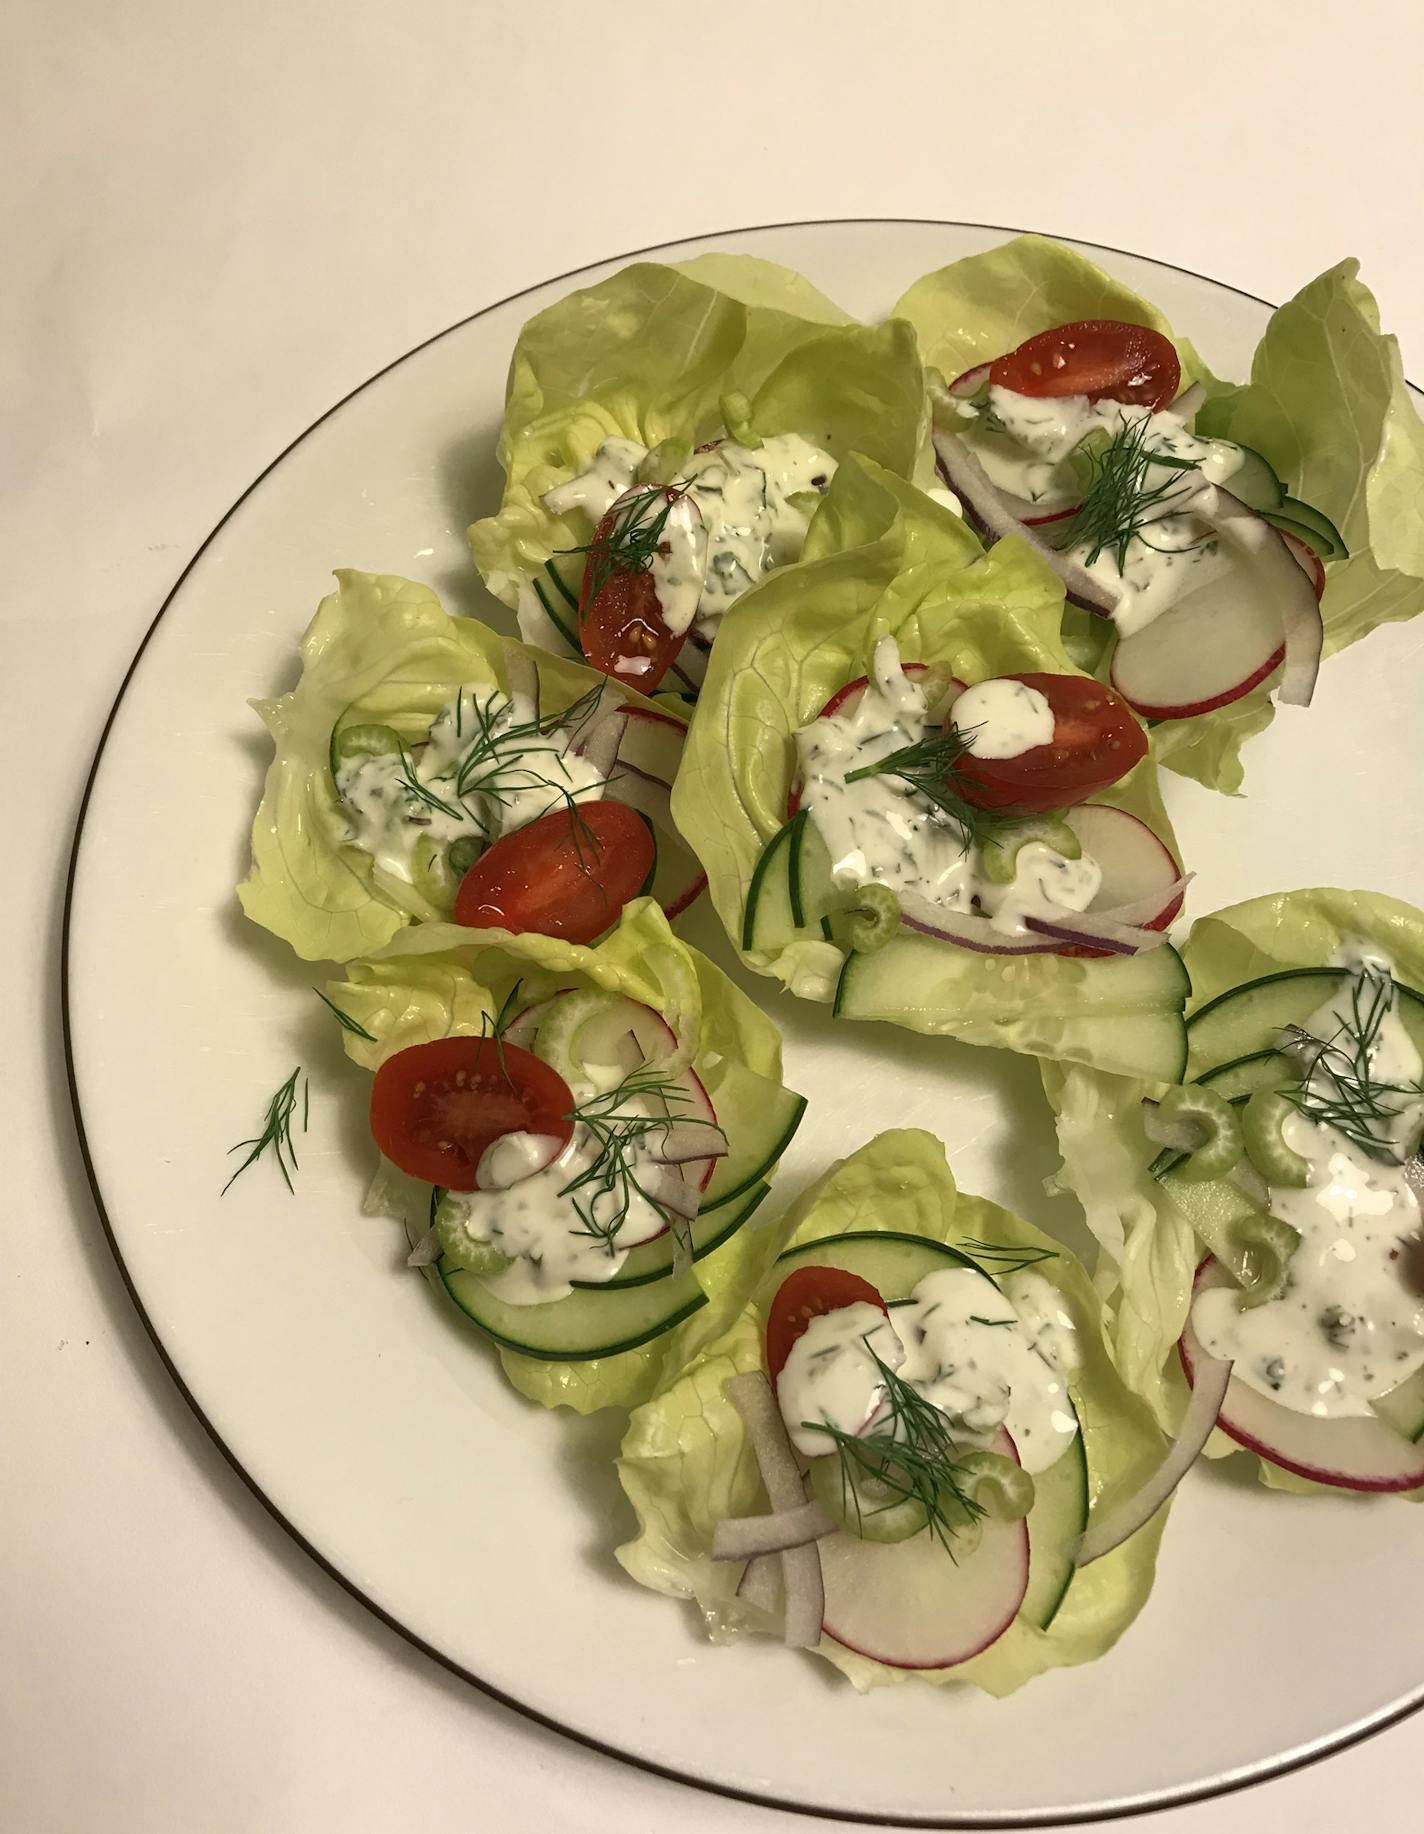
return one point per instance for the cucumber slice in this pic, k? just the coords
(1249, 1019)
(894, 1264)
(1243, 1076)
(1059, 1516)
(1403, 1408)
(763, 1120)
(1252, 1246)
(791, 889)
(560, 605)
(593, 1321)
(1310, 525)
(652, 1260)
(1124, 1015)
(1255, 483)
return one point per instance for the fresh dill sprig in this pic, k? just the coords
(1339, 1088)
(277, 1131)
(1123, 497)
(911, 1452)
(632, 542)
(422, 792)
(617, 1118)
(344, 1019)
(928, 768)
(1002, 1258)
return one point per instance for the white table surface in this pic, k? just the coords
(216, 220)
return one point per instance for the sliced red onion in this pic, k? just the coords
(1286, 581)
(965, 928)
(745, 1537)
(599, 747)
(751, 1394)
(426, 1251)
(758, 1585)
(972, 484)
(683, 1142)
(521, 673)
(1096, 932)
(1209, 1379)
(1188, 403)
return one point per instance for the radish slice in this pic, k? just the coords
(1350, 1454)
(744, 1537)
(652, 744)
(1188, 403)
(1137, 1511)
(1307, 560)
(1142, 882)
(909, 1605)
(750, 1393)
(520, 672)
(1282, 578)
(599, 747)
(971, 483)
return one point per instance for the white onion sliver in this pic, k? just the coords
(1188, 403)
(599, 747)
(744, 1537)
(750, 1393)
(426, 1251)
(758, 1585)
(682, 1142)
(969, 480)
(1209, 1382)
(1152, 905)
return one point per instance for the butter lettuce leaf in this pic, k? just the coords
(380, 649)
(441, 981)
(881, 559)
(648, 355)
(1148, 1251)
(685, 1464)
(1327, 405)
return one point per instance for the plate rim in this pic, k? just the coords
(1230, 1783)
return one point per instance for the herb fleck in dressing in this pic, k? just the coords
(1024, 443)
(745, 511)
(1347, 1326)
(879, 829)
(486, 769)
(986, 1356)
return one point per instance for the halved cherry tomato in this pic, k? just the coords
(1096, 741)
(568, 874)
(621, 629)
(436, 1107)
(807, 1294)
(1101, 358)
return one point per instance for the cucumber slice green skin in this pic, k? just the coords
(1247, 1020)
(894, 1265)
(791, 890)
(1309, 525)
(751, 1160)
(559, 603)
(650, 1261)
(1255, 484)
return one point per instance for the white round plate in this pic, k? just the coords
(376, 1424)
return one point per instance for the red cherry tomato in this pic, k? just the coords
(621, 629)
(1097, 357)
(807, 1294)
(435, 1108)
(568, 874)
(1096, 741)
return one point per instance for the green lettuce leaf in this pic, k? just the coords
(440, 981)
(1148, 1251)
(685, 1464)
(647, 355)
(881, 558)
(1327, 405)
(379, 649)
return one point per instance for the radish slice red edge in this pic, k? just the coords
(969, 480)
(751, 1394)
(1303, 626)
(1124, 1521)
(745, 1537)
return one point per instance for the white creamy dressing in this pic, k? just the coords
(1348, 1326)
(1023, 441)
(985, 1356)
(744, 511)
(528, 771)
(524, 1209)
(878, 829)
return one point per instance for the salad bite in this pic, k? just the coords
(911, 802)
(910, 1427)
(666, 442)
(1217, 536)
(427, 770)
(1263, 1219)
(573, 1139)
